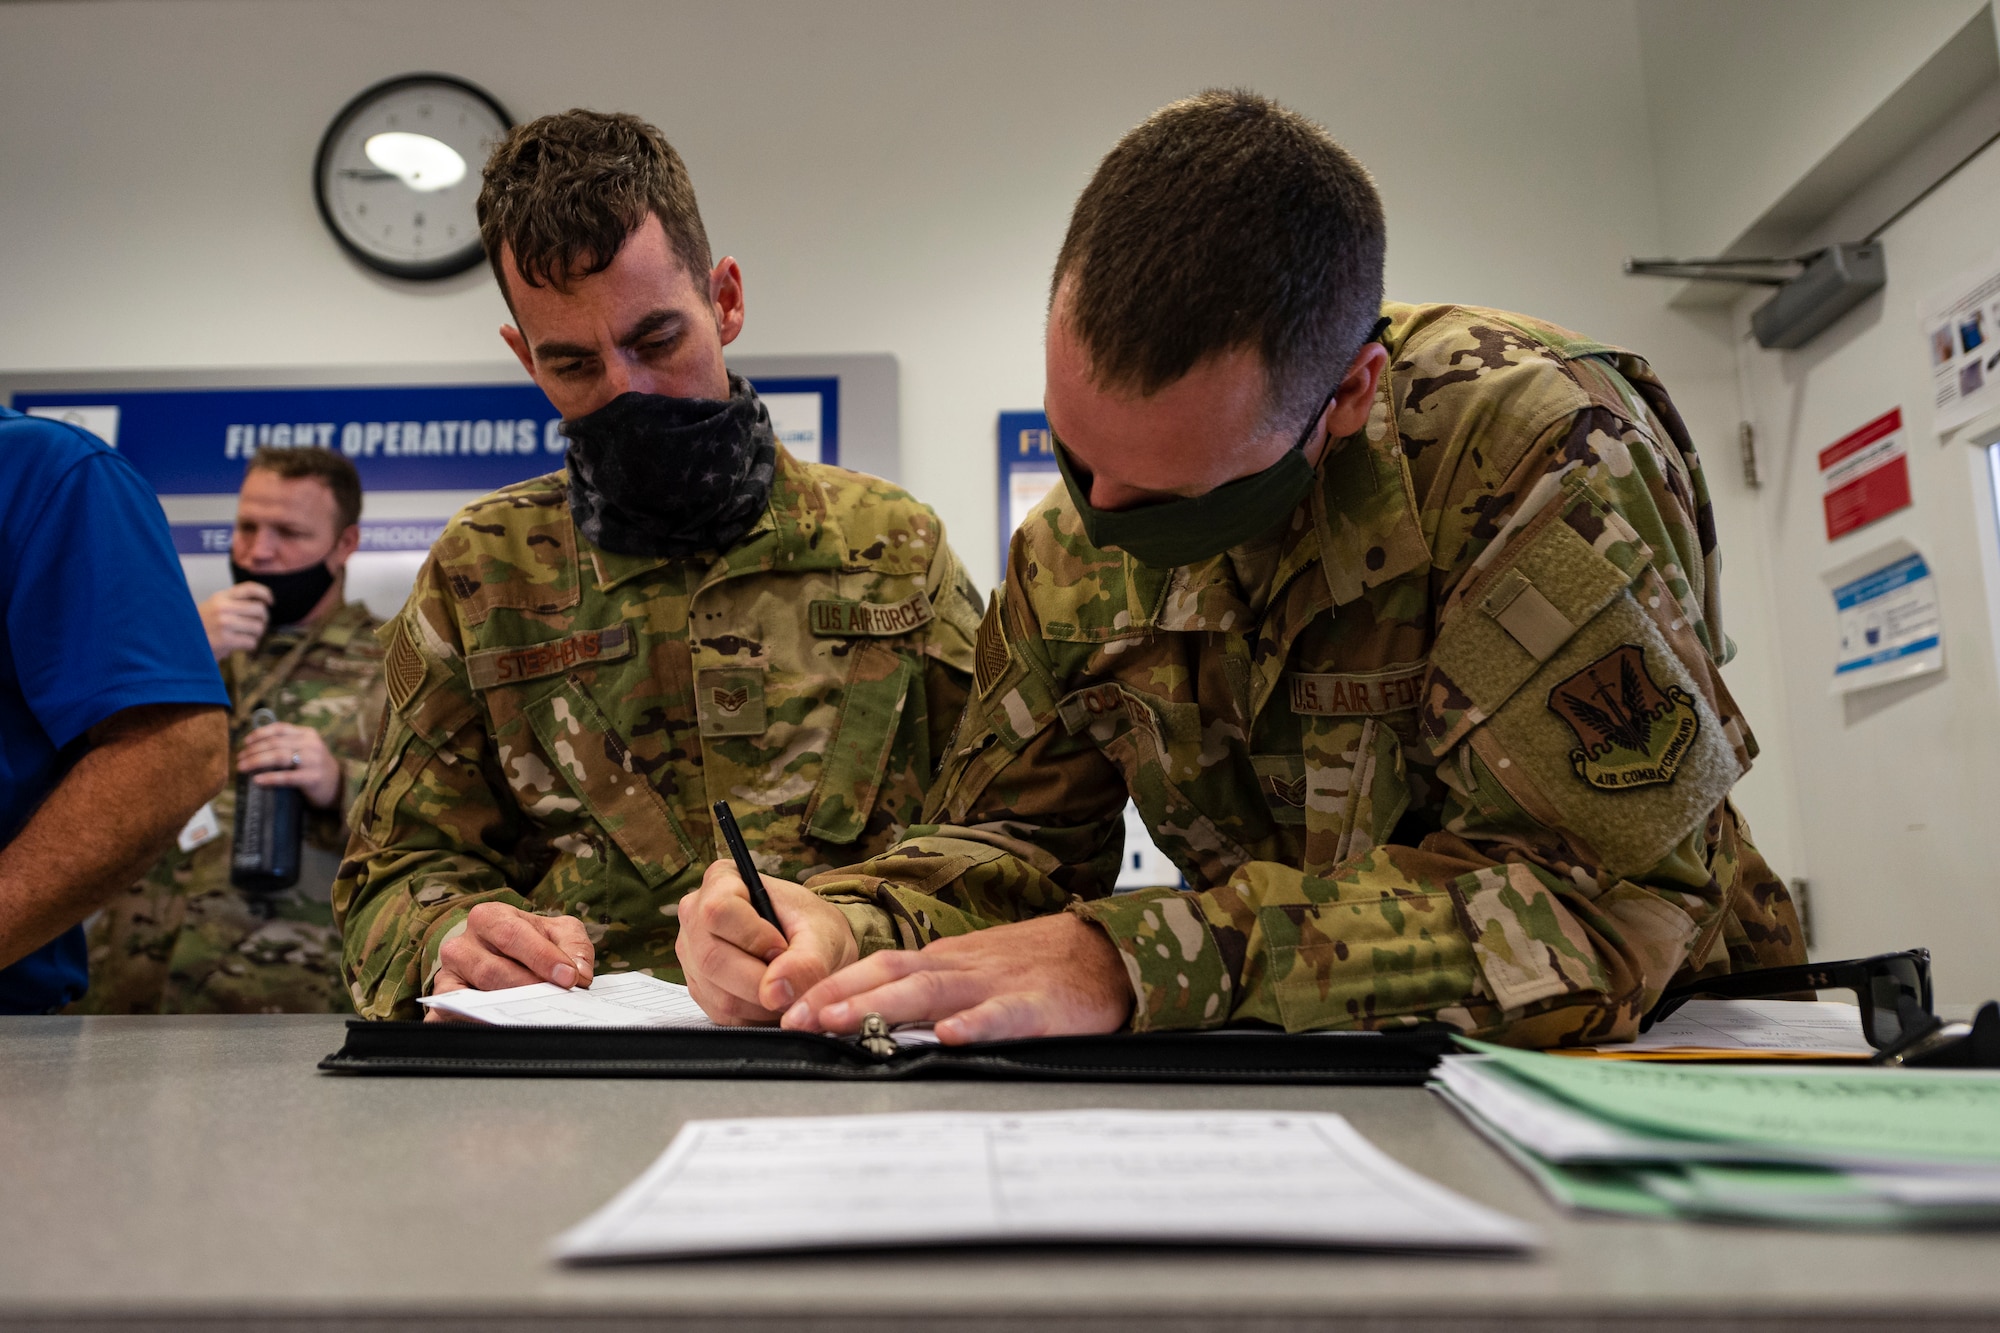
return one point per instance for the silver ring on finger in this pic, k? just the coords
(295, 759)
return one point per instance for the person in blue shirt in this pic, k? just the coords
(112, 723)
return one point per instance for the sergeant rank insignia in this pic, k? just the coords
(730, 702)
(1633, 732)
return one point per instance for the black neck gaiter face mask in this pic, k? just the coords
(293, 595)
(656, 476)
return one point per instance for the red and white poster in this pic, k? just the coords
(1865, 475)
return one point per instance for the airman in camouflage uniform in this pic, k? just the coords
(1452, 745)
(184, 939)
(685, 614)
(563, 716)
(1423, 699)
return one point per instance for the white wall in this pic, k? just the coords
(1747, 96)
(893, 176)
(1895, 785)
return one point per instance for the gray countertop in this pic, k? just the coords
(201, 1170)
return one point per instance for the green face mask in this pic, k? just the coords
(1188, 531)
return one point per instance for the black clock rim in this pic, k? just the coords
(448, 266)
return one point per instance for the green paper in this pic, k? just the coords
(1886, 1113)
(1798, 1195)
(1594, 1189)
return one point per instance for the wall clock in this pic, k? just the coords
(398, 174)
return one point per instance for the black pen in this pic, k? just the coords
(745, 867)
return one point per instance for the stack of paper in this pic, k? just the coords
(940, 1178)
(1819, 1146)
(1746, 1030)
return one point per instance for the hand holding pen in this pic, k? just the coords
(750, 967)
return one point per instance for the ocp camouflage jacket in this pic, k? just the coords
(1451, 743)
(184, 939)
(561, 717)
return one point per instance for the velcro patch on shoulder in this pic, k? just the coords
(403, 668)
(840, 618)
(1632, 731)
(510, 666)
(1360, 694)
(989, 654)
(1560, 573)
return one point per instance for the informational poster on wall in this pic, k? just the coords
(1889, 627)
(1027, 471)
(1865, 475)
(1961, 325)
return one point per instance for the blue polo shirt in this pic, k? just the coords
(95, 618)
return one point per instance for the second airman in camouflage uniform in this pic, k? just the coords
(184, 939)
(573, 683)
(1426, 708)
(1452, 744)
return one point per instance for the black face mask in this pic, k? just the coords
(656, 476)
(293, 595)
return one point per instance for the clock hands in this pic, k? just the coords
(356, 173)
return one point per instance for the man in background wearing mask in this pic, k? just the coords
(687, 613)
(184, 939)
(1399, 623)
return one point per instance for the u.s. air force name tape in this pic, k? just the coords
(840, 618)
(1363, 694)
(505, 666)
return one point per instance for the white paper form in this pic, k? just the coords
(1775, 1027)
(613, 1000)
(841, 1182)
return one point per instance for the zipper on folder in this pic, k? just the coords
(875, 1038)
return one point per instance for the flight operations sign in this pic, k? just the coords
(416, 437)
(446, 437)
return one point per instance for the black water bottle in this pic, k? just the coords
(264, 855)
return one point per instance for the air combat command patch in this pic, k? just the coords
(1633, 732)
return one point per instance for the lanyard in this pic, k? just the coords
(239, 664)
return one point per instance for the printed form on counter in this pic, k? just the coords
(1096, 1176)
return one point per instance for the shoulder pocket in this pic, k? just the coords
(1572, 697)
(597, 764)
(1568, 566)
(858, 755)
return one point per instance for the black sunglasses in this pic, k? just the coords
(1894, 990)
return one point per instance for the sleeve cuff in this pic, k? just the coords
(1179, 979)
(874, 929)
(450, 924)
(855, 895)
(434, 947)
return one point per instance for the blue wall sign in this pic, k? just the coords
(1027, 471)
(445, 437)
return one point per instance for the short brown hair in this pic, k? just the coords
(1225, 221)
(308, 460)
(563, 192)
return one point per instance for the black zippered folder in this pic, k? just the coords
(1402, 1056)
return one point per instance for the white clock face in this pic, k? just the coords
(398, 174)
